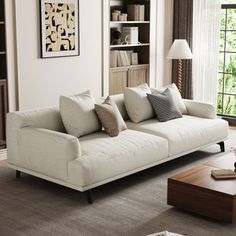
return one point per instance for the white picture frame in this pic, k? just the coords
(59, 24)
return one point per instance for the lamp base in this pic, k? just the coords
(179, 82)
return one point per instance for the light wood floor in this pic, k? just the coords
(3, 162)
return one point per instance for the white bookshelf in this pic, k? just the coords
(146, 67)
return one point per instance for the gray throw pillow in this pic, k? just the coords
(175, 94)
(110, 117)
(164, 106)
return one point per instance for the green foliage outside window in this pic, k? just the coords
(226, 100)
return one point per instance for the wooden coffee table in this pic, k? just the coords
(196, 191)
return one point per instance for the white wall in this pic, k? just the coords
(41, 81)
(11, 55)
(164, 41)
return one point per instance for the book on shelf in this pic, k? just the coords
(134, 58)
(223, 174)
(120, 58)
(124, 58)
(129, 56)
(113, 58)
(141, 12)
(136, 12)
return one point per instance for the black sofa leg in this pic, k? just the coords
(18, 174)
(89, 196)
(222, 146)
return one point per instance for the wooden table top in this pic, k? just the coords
(201, 175)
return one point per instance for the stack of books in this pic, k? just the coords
(223, 174)
(136, 12)
(121, 58)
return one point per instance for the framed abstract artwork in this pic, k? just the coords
(59, 21)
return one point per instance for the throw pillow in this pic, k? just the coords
(110, 117)
(164, 106)
(176, 96)
(137, 105)
(78, 114)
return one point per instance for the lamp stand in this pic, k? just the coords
(179, 82)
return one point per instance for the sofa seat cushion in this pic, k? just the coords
(104, 157)
(184, 133)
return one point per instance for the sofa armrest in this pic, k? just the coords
(200, 109)
(47, 152)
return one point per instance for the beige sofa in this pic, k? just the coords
(38, 145)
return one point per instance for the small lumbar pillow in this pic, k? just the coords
(164, 106)
(137, 105)
(78, 114)
(176, 96)
(110, 117)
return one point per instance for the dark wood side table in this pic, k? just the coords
(196, 191)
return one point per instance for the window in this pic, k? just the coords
(226, 101)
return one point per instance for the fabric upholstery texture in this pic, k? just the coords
(37, 143)
(104, 157)
(200, 109)
(47, 118)
(47, 152)
(78, 114)
(164, 106)
(137, 104)
(110, 117)
(119, 101)
(176, 96)
(185, 133)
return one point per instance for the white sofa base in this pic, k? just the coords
(89, 187)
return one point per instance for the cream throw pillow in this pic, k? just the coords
(136, 102)
(176, 96)
(110, 117)
(78, 114)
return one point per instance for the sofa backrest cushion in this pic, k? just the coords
(120, 103)
(137, 104)
(78, 114)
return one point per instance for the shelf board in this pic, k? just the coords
(130, 45)
(126, 67)
(2, 22)
(2, 53)
(129, 22)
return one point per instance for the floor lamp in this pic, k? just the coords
(180, 50)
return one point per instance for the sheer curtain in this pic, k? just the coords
(206, 34)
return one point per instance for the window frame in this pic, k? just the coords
(224, 73)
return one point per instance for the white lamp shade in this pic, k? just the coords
(180, 50)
